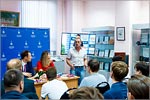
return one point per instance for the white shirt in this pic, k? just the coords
(93, 80)
(23, 64)
(77, 58)
(54, 89)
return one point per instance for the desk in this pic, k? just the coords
(72, 82)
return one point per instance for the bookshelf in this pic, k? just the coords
(104, 47)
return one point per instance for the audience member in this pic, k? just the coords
(77, 60)
(95, 78)
(45, 62)
(138, 87)
(86, 93)
(27, 68)
(118, 90)
(142, 68)
(54, 88)
(13, 83)
(115, 58)
(29, 89)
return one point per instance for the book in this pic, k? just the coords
(106, 53)
(107, 67)
(101, 65)
(101, 39)
(101, 53)
(106, 39)
(111, 54)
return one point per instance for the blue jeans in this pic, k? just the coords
(78, 72)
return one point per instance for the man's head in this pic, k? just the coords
(86, 93)
(78, 36)
(138, 87)
(142, 68)
(14, 64)
(93, 64)
(26, 56)
(13, 80)
(119, 70)
(77, 42)
(51, 73)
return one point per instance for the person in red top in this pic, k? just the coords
(45, 62)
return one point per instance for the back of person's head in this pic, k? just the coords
(13, 79)
(138, 87)
(116, 58)
(142, 67)
(86, 93)
(51, 73)
(14, 64)
(119, 70)
(94, 65)
(24, 54)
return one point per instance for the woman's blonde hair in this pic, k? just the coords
(44, 58)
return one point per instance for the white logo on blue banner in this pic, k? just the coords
(3, 58)
(26, 45)
(32, 35)
(19, 35)
(3, 34)
(11, 46)
(45, 35)
(39, 45)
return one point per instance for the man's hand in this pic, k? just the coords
(27, 74)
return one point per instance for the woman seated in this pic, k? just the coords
(45, 62)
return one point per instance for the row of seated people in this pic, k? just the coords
(117, 91)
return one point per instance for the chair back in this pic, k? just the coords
(66, 94)
(103, 87)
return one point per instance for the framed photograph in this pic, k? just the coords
(120, 33)
(9, 18)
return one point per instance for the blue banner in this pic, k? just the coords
(14, 40)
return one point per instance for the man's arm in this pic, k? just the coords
(69, 63)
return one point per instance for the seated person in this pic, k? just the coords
(27, 68)
(28, 84)
(86, 93)
(118, 90)
(45, 62)
(95, 78)
(54, 88)
(142, 68)
(138, 87)
(13, 83)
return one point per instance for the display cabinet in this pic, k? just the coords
(104, 47)
(140, 44)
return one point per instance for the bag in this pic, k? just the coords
(103, 87)
(66, 94)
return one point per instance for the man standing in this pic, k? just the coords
(77, 60)
(13, 83)
(27, 68)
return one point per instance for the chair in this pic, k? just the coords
(103, 87)
(66, 94)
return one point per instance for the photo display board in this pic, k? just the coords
(67, 41)
(14, 40)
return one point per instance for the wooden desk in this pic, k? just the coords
(72, 82)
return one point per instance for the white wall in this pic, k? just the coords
(99, 13)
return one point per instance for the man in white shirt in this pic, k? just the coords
(54, 88)
(77, 60)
